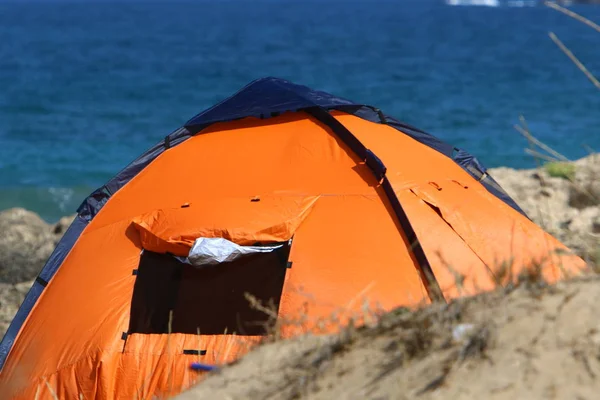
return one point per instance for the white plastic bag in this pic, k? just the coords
(214, 251)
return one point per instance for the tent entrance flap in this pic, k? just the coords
(212, 300)
(215, 251)
(241, 220)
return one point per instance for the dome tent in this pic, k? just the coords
(337, 199)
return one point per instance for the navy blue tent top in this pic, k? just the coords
(264, 97)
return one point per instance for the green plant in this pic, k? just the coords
(562, 170)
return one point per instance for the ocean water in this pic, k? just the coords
(87, 86)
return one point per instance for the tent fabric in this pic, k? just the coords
(377, 116)
(243, 221)
(476, 169)
(359, 198)
(56, 258)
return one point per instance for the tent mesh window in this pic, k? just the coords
(211, 299)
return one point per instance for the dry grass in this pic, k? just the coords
(574, 15)
(565, 49)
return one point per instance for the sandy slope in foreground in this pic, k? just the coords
(530, 343)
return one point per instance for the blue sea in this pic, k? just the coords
(87, 86)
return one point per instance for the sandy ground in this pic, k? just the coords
(532, 342)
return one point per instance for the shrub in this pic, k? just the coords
(561, 170)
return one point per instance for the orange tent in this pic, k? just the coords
(320, 205)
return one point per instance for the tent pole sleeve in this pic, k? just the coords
(379, 170)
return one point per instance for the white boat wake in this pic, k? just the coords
(492, 3)
(486, 3)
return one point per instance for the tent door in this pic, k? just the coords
(211, 299)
